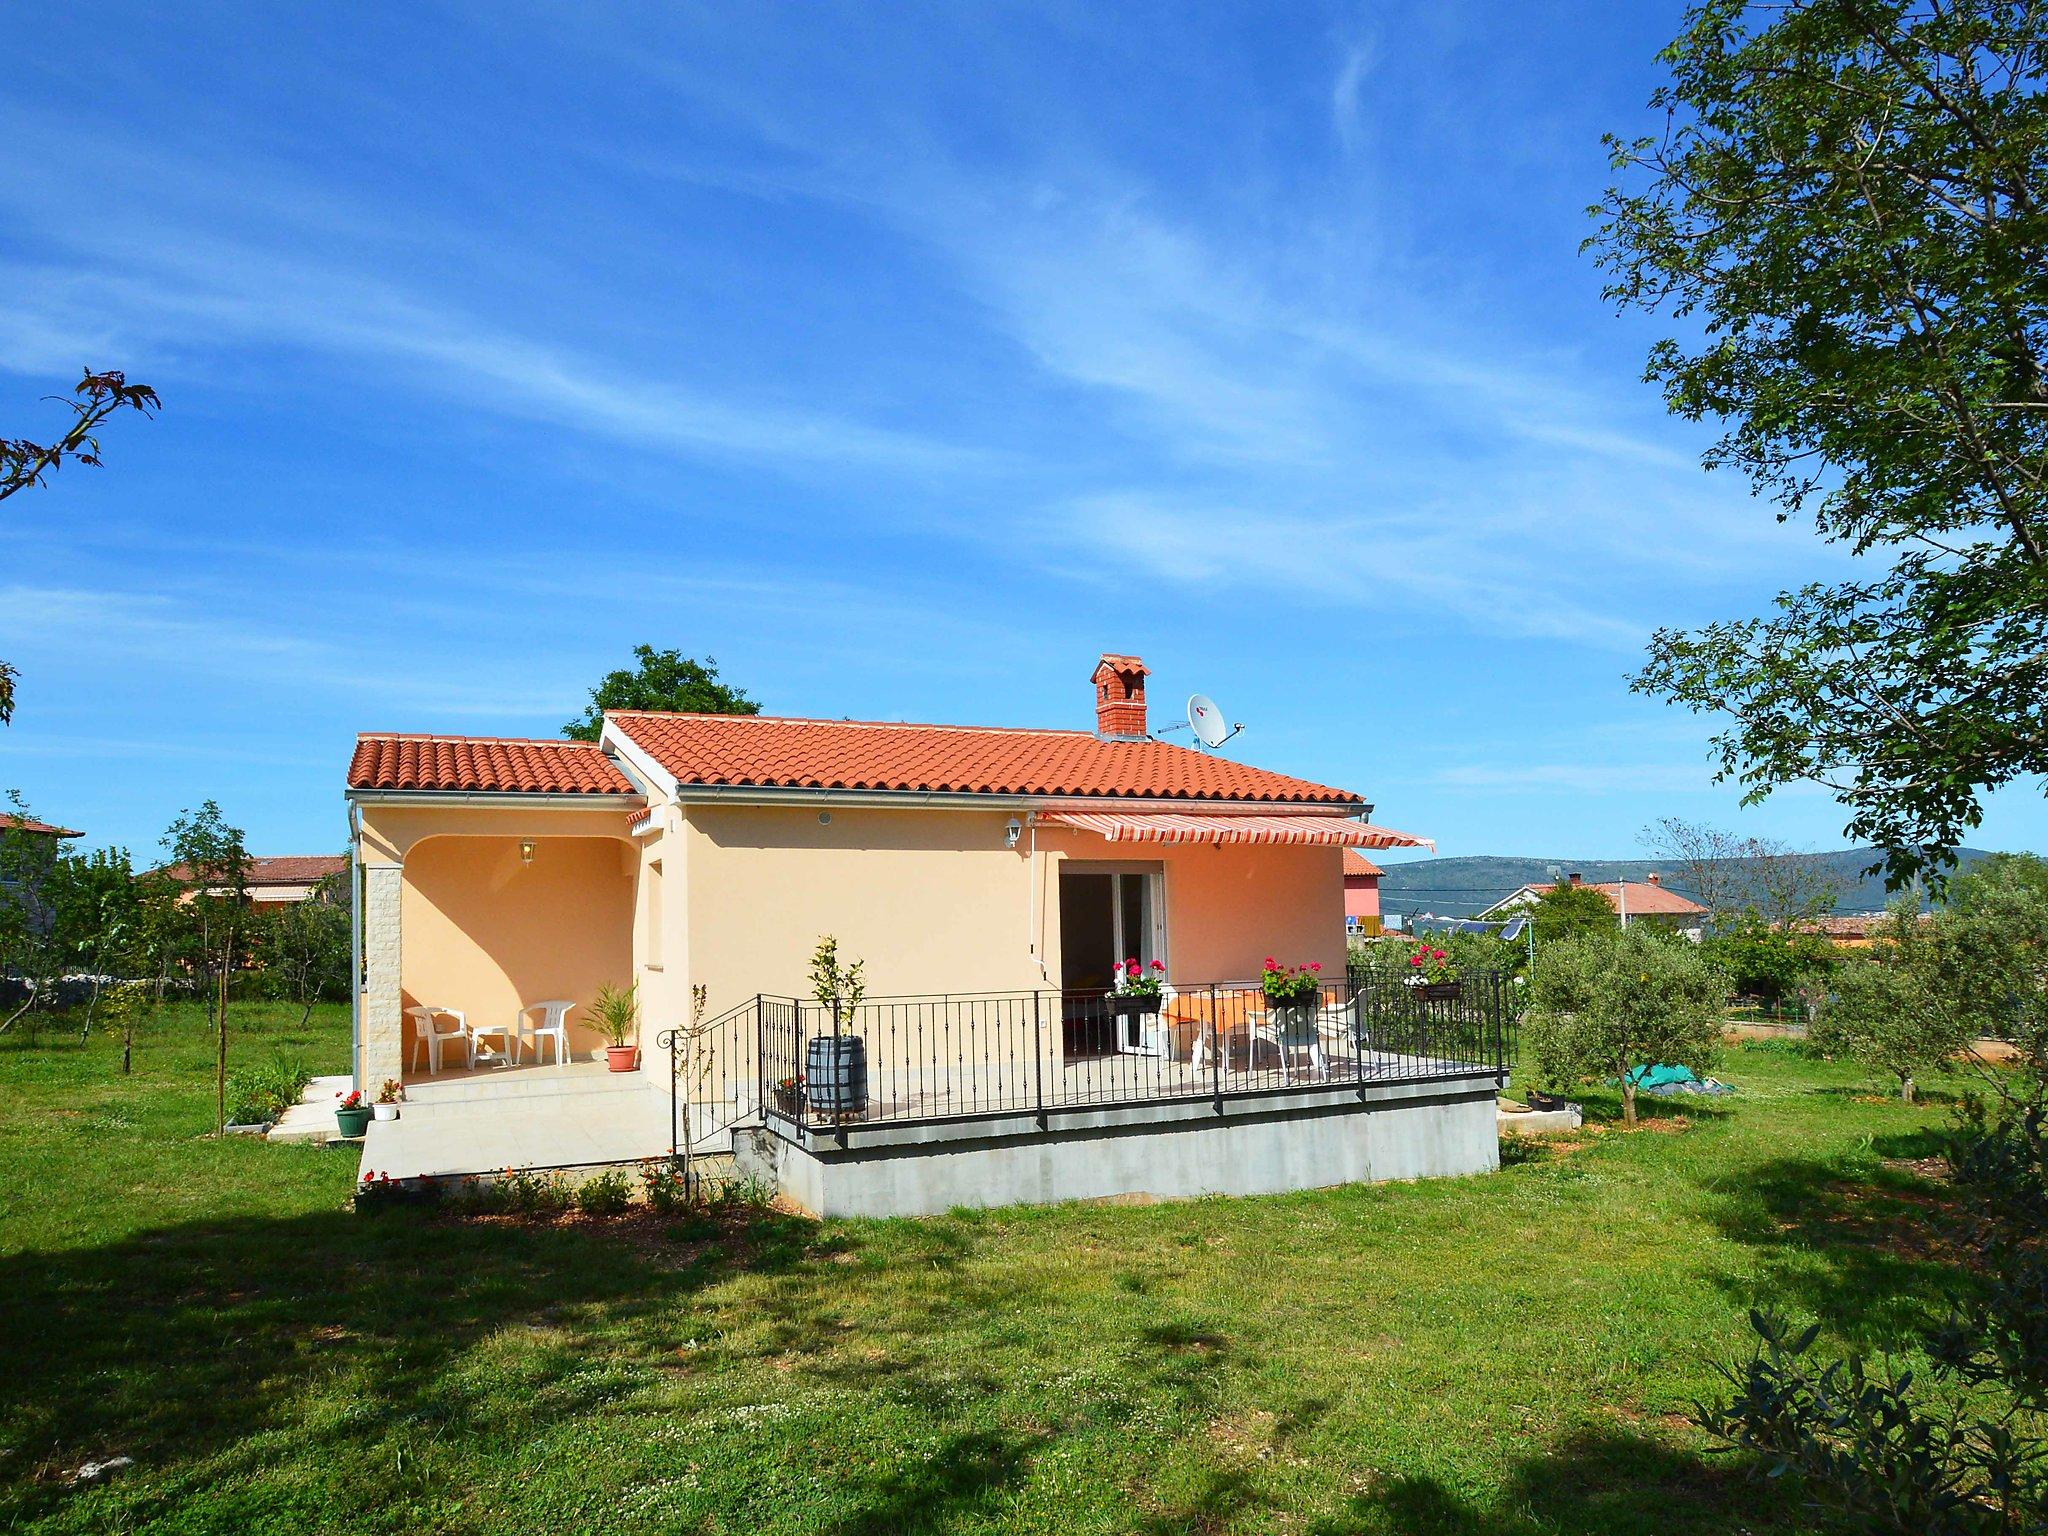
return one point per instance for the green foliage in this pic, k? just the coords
(1900, 1006)
(1603, 1002)
(837, 986)
(29, 952)
(604, 1194)
(1765, 962)
(1566, 911)
(661, 680)
(265, 1092)
(304, 945)
(615, 1012)
(1844, 206)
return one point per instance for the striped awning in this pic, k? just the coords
(1190, 827)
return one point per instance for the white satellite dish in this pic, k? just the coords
(1206, 721)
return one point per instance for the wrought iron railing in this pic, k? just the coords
(968, 1055)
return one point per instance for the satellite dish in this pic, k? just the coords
(1206, 721)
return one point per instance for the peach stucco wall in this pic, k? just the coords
(485, 932)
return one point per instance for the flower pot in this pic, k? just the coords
(1437, 991)
(790, 1101)
(621, 1058)
(384, 1111)
(836, 1074)
(1132, 1007)
(1540, 1100)
(352, 1122)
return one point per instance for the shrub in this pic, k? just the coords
(1901, 1008)
(1608, 999)
(604, 1194)
(266, 1091)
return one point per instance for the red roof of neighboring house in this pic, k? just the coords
(9, 822)
(1356, 863)
(1643, 897)
(775, 751)
(279, 869)
(485, 764)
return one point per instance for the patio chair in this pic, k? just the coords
(553, 1025)
(1295, 1033)
(428, 1033)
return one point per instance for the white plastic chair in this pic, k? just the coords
(428, 1033)
(554, 1025)
(1290, 1035)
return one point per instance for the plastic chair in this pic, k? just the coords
(428, 1033)
(554, 1025)
(1298, 1030)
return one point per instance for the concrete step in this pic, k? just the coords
(312, 1118)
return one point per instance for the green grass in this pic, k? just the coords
(1507, 1354)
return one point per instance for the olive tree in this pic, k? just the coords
(1897, 1008)
(1604, 1001)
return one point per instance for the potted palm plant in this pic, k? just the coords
(616, 1013)
(836, 1065)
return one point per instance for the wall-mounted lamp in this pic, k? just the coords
(1012, 830)
(525, 853)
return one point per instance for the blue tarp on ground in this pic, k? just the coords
(1667, 1082)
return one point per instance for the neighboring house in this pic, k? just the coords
(1634, 901)
(1361, 893)
(10, 822)
(1852, 930)
(280, 878)
(989, 879)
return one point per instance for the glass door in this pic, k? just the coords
(1106, 915)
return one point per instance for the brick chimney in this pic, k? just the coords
(1575, 878)
(1120, 698)
(1654, 878)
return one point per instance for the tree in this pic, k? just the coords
(1565, 911)
(1705, 859)
(212, 864)
(93, 907)
(28, 948)
(1784, 887)
(24, 463)
(1767, 962)
(1847, 208)
(1603, 1002)
(305, 945)
(663, 680)
(1900, 1008)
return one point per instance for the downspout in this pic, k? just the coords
(355, 944)
(1032, 925)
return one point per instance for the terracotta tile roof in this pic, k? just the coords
(295, 868)
(772, 751)
(9, 822)
(1356, 863)
(486, 764)
(1643, 897)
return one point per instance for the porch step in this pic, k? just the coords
(527, 1082)
(312, 1118)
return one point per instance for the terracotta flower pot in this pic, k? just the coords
(621, 1058)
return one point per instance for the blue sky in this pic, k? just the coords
(903, 358)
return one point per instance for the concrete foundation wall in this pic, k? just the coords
(1308, 1140)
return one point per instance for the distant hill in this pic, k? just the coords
(1462, 887)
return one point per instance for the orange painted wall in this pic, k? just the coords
(485, 933)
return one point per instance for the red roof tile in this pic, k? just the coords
(1356, 863)
(295, 868)
(1643, 897)
(9, 822)
(772, 751)
(485, 764)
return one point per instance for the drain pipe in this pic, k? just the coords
(1035, 911)
(355, 944)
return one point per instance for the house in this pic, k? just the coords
(1648, 900)
(1361, 894)
(989, 880)
(1853, 930)
(277, 879)
(12, 822)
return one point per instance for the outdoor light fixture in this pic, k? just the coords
(1012, 830)
(526, 853)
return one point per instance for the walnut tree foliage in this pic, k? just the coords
(661, 680)
(1844, 215)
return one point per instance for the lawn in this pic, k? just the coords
(1507, 1354)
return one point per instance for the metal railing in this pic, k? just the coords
(948, 1056)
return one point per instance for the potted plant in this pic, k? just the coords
(1137, 990)
(1431, 974)
(386, 1107)
(352, 1114)
(616, 1012)
(789, 1097)
(1294, 994)
(836, 1065)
